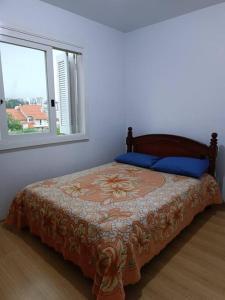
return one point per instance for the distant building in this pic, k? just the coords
(29, 116)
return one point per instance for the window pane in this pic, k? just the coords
(65, 77)
(24, 78)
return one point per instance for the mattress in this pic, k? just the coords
(112, 219)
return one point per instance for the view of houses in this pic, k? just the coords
(27, 115)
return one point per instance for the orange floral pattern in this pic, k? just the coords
(112, 219)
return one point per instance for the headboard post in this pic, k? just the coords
(213, 149)
(129, 139)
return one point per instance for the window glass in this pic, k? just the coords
(25, 88)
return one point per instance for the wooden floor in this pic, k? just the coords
(191, 267)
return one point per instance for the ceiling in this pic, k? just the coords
(128, 15)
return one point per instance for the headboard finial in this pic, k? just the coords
(213, 153)
(129, 139)
(214, 137)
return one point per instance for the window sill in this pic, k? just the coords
(34, 142)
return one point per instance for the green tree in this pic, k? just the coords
(12, 103)
(13, 125)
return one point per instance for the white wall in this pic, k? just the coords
(104, 83)
(175, 78)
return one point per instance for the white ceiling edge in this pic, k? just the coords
(129, 15)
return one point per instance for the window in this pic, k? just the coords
(41, 91)
(25, 88)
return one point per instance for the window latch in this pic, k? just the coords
(52, 103)
(1, 101)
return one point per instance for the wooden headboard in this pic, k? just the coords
(172, 145)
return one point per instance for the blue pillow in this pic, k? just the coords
(187, 166)
(137, 159)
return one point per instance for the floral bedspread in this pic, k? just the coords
(112, 219)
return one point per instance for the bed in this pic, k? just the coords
(113, 219)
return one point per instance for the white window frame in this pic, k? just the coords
(22, 38)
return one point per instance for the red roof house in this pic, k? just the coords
(30, 116)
